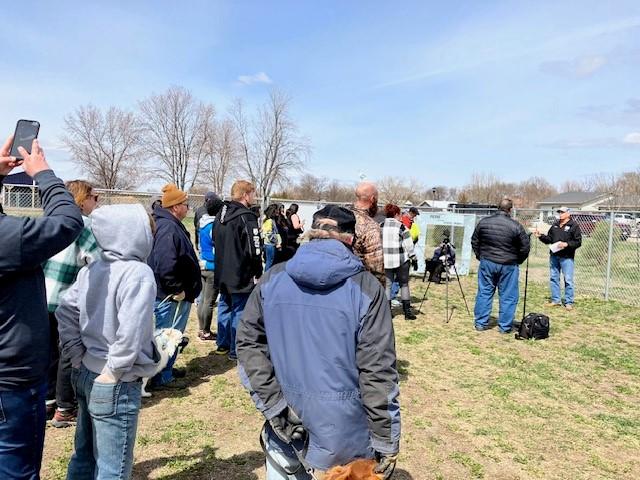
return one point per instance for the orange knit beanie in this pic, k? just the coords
(171, 195)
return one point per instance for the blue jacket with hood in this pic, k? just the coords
(317, 335)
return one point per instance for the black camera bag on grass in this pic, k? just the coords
(533, 326)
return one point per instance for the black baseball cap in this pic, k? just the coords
(340, 218)
(414, 210)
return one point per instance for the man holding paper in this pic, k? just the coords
(563, 238)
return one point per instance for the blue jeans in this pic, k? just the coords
(395, 288)
(230, 308)
(105, 429)
(170, 314)
(270, 254)
(565, 265)
(505, 278)
(22, 422)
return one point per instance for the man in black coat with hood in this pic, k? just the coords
(238, 262)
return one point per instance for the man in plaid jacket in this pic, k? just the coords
(60, 272)
(368, 243)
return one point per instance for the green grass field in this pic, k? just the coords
(474, 405)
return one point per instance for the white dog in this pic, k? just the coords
(167, 341)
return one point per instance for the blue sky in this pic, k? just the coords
(428, 90)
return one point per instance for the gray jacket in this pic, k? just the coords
(105, 319)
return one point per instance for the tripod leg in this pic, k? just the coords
(424, 297)
(461, 290)
(446, 295)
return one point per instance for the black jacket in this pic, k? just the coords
(26, 244)
(238, 249)
(569, 233)
(500, 239)
(173, 260)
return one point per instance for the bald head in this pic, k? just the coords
(366, 192)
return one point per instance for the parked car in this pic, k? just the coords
(589, 220)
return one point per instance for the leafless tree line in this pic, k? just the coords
(178, 138)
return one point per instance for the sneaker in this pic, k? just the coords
(206, 336)
(569, 306)
(232, 357)
(480, 328)
(505, 332)
(553, 304)
(64, 418)
(395, 303)
(221, 351)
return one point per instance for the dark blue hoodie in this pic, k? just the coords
(317, 335)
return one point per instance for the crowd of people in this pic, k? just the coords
(306, 311)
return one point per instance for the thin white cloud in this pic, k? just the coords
(259, 77)
(584, 66)
(632, 138)
(578, 68)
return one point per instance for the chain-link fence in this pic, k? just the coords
(607, 264)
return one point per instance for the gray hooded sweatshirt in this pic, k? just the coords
(105, 318)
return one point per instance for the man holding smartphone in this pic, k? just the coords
(24, 342)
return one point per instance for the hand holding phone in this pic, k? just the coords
(7, 162)
(34, 162)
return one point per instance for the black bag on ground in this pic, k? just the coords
(533, 326)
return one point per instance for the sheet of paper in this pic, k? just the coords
(555, 247)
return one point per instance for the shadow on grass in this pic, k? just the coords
(199, 369)
(203, 465)
(401, 474)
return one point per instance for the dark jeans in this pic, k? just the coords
(207, 301)
(230, 308)
(106, 428)
(505, 278)
(59, 386)
(22, 421)
(400, 275)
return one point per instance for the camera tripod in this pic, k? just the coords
(445, 255)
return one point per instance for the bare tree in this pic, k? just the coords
(221, 155)
(270, 146)
(176, 133)
(399, 191)
(106, 145)
(487, 188)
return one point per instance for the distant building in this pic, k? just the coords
(585, 201)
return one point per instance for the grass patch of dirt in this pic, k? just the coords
(474, 404)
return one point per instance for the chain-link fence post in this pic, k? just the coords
(607, 284)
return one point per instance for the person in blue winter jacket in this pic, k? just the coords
(206, 223)
(316, 350)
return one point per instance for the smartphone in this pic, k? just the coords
(26, 132)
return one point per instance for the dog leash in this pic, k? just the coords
(300, 456)
(175, 314)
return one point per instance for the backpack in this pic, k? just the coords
(533, 326)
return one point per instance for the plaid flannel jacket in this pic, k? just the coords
(368, 244)
(61, 270)
(396, 243)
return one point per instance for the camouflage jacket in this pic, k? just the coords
(368, 245)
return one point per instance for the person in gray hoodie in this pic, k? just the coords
(106, 326)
